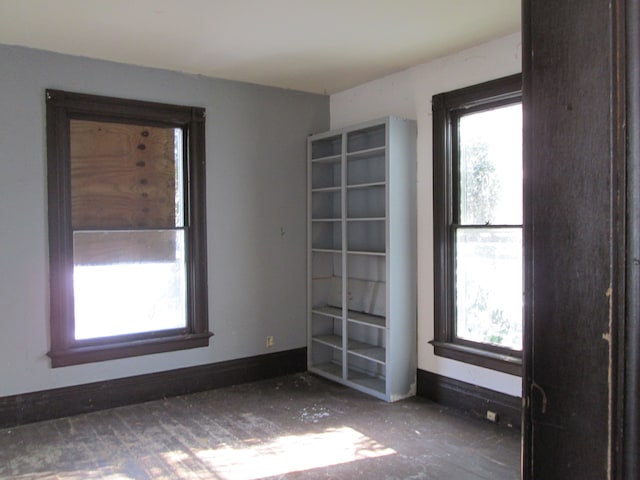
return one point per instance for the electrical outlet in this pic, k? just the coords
(270, 341)
(492, 416)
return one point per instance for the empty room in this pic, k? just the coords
(348, 239)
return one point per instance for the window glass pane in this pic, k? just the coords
(489, 286)
(490, 170)
(125, 176)
(128, 282)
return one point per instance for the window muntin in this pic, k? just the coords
(478, 224)
(127, 228)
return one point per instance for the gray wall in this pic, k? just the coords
(255, 140)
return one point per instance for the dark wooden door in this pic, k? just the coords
(581, 341)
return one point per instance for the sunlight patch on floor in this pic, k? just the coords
(292, 453)
(77, 475)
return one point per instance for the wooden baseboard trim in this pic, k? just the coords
(62, 402)
(470, 399)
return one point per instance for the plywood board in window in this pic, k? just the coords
(122, 175)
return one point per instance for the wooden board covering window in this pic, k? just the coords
(122, 176)
(109, 248)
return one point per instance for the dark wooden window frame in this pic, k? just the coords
(447, 107)
(61, 107)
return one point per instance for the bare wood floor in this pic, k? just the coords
(293, 427)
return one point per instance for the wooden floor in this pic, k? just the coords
(293, 427)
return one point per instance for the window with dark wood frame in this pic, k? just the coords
(457, 219)
(127, 228)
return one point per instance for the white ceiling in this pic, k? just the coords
(322, 46)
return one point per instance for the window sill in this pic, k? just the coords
(111, 351)
(475, 356)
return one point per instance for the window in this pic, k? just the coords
(127, 232)
(477, 158)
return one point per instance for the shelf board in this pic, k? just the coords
(329, 340)
(326, 219)
(349, 252)
(327, 159)
(367, 381)
(353, 316)
(329, 369)
(366, 219)
(366, 153)
(328, 311)
(326, 250)
(326, 189)
(331, 189)
(367, 351)
(366, 319)
(366, 252)
(357, 186)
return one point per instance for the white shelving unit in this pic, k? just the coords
(362, 257)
